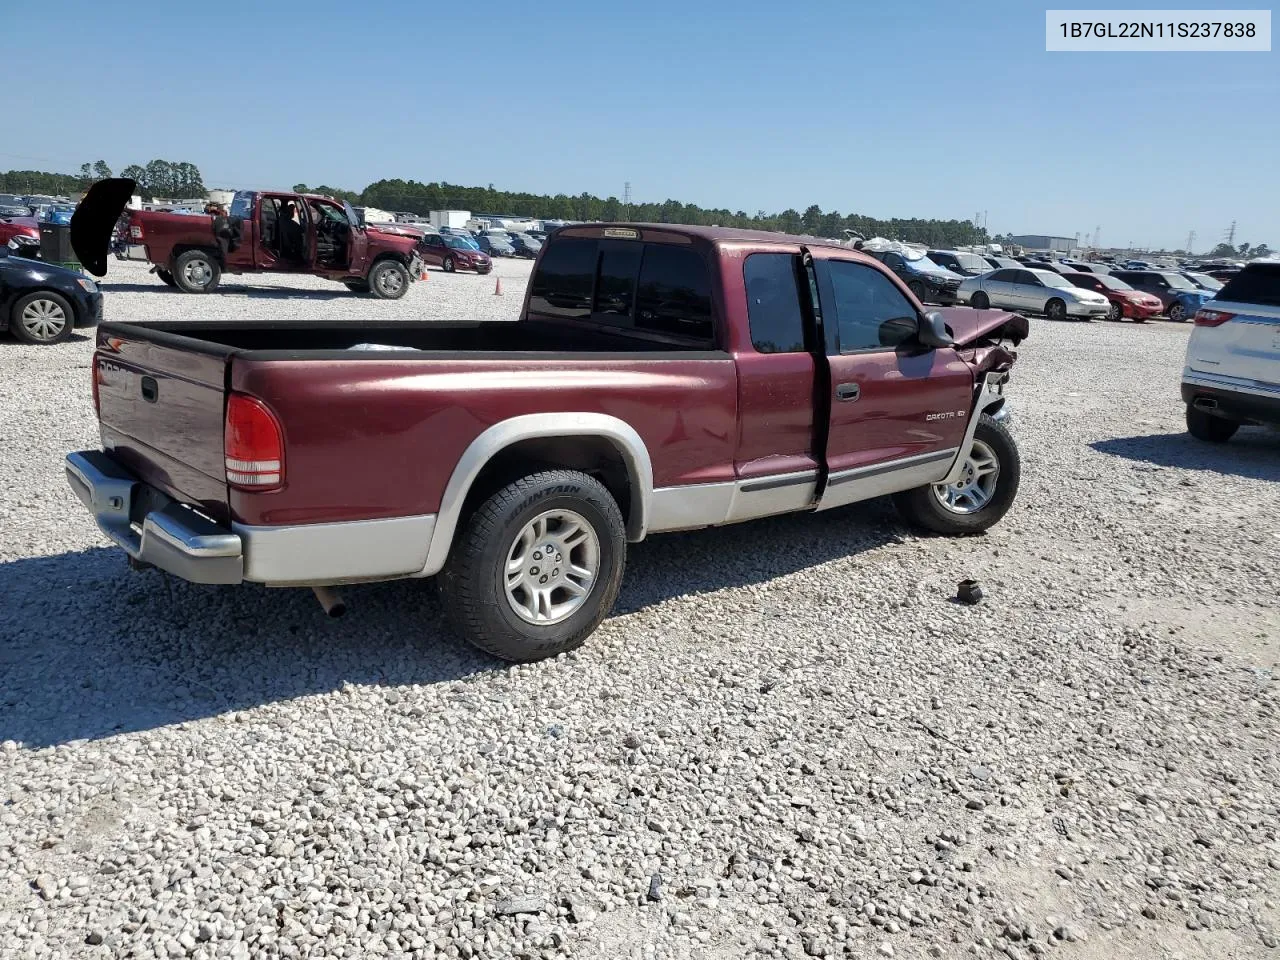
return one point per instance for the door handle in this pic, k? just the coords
(150, 390)
(848, 391)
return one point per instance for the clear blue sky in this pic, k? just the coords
(929, 109)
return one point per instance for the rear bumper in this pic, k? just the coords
(134, 251)
(1255, 406)
(159, 531)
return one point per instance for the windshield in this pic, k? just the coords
(1205, 281)
(1052, 279)
(924, 265)
(458, 243)
(971, 261)
(1110, 282)
(1178, 282)
(14, 211)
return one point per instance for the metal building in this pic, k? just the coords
(1043, 244)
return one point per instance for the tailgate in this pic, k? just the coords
(161, 398)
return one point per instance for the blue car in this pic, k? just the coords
(1181, 297)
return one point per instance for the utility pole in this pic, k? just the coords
(1191, 239)
(1231, 235)
(626, 194)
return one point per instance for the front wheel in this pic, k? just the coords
(389, 280)
(42, 317)
(1056, 309)
(1207, 427)
(537, 566)
(984, 493)
(1115, 312)
(1177, 312)
(980, 301)
(448, 266)
(916, 287)
(196, 271)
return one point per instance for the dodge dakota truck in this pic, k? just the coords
(267, 232)
(658, 378)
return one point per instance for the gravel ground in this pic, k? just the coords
(788, 741)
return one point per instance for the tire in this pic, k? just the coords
(1056, 309)
(448, 265)
(474, 583)
(166, 277)
(980, 301)
(1177, 312)
(926, 507)
(1116, 312)
(389, 280)
(196, 271)
(356, 286)
(1207, 427)
(918, 288)
(42, 317)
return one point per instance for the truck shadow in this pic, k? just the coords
(89, 649)
(1253, 453)
(232, 289)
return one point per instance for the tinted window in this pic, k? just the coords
(1258, 283)
(241, 205)
(1026, 276)
(616, 284)
(432, 240)
(562, 285)
(870, 311)
(674, 294)
(893, 261)
(1005, 276)
(773, 303)
(1083, 280)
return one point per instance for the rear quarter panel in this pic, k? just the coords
(374, 437)
(162, 232)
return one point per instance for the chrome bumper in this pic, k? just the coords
(155, 529)
(169, 535)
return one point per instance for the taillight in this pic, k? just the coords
(253, 444)
(97, 380)
(135, 231)
(1212, 318)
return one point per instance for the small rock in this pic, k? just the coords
(510, 906)
(655, 887)
(885, 949)
(976, 804)
(94, 938)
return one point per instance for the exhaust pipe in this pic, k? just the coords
(333, 605)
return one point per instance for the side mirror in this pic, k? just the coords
(932, 331)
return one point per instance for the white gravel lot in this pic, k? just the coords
(788, 741)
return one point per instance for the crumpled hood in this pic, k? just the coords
(967, 325)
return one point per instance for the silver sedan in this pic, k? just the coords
(1032, 291)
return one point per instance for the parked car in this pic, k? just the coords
(1090, 268)
(1125, 301)
(1222, 274)
(1232, 371)
(499, 245)
(1181, 298)
(192, 252)
(19, 232)
(1138, 265)
(929, 282)
(525, 246)
(450, 252)
(1050, 265)
(1037, 291)
(1002, 262)
(960, 262)
(1203, 281)
(659, 378)
(43, 302)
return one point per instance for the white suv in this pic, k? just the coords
(1232, 374)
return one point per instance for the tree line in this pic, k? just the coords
(160, 178)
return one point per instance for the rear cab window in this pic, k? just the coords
(655, 290)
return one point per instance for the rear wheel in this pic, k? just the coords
(537, 566)
(448, 265)
(42, 317)
(1177, 312)
(1207, 427)
(984, 493)
(165, 276)
(196, 271)
(918, 288)
(389, 280)
(980, 301)
(1056, 309)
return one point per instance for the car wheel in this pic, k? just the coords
(918, 288)
(1177, 312)
(980, 301)
(42, 317)
(165, 277)
(1207, 427)
(537, 566)
(448, 266)
(1116, 312)
(983, 494)
(389, 280)
(196, 271)
(1056, 309)
(356, 286)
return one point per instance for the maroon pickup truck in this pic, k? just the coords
(659, 378)
(260, 235)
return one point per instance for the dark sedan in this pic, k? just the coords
(42, 302)
(525, 245)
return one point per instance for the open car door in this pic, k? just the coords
(95, 219)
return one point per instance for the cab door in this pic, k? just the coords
(898, 411)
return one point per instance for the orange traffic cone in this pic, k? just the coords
(424, 275)
(497, 287)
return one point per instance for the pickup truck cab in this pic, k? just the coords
(659, 378)
(269, 232)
